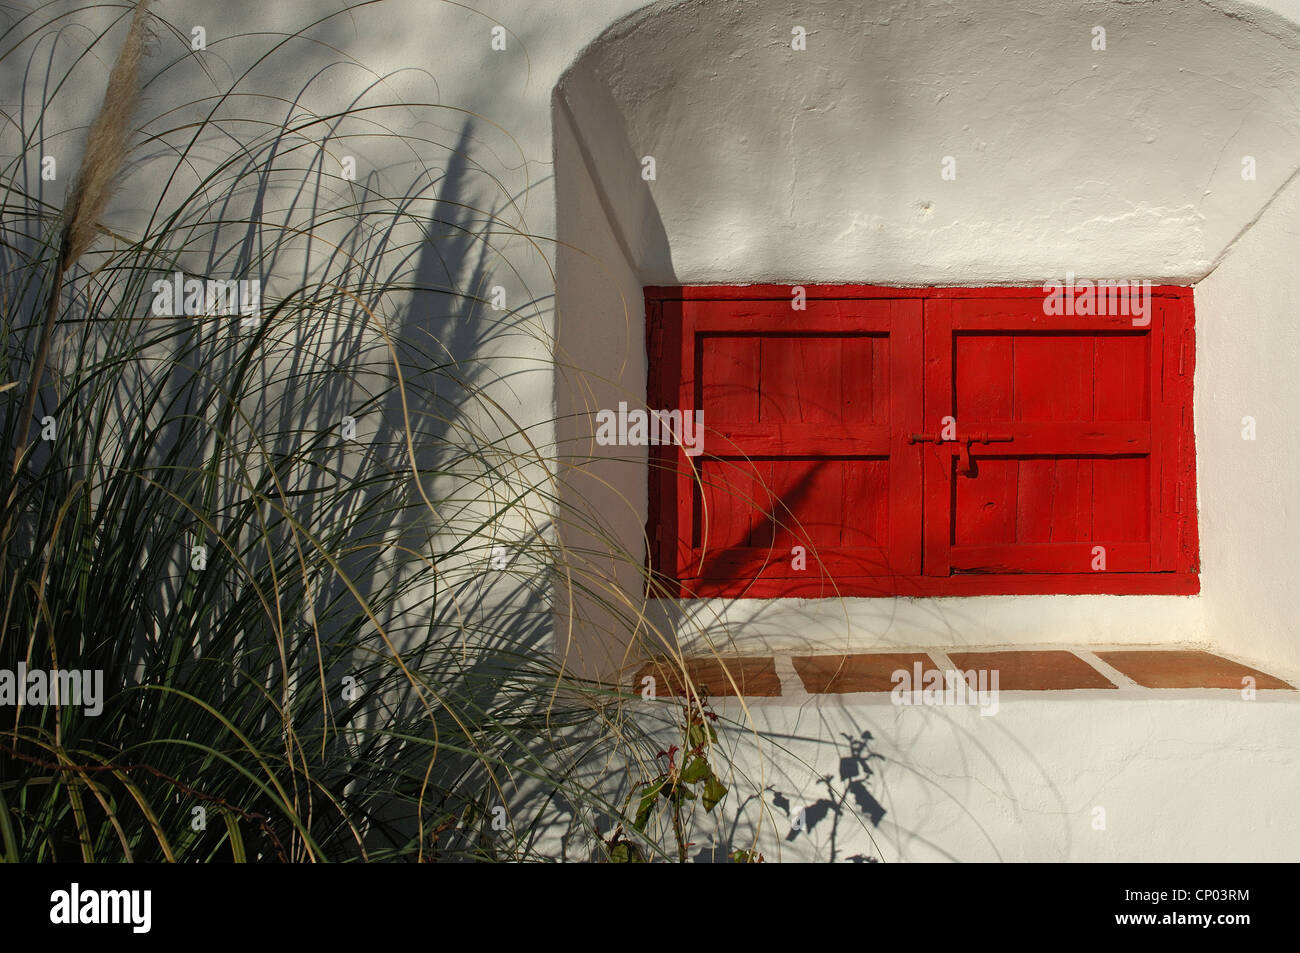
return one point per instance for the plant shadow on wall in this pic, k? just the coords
(846, 803)
(854, 774)
(302, 546)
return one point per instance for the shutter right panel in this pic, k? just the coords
(1075, 488)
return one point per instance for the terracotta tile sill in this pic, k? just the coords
(842, 674)
(1041, 670)
(1185, 669)
(1033, 671)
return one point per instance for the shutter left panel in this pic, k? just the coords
(806, 485)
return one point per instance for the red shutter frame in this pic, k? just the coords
(920, 324)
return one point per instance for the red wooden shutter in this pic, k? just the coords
(1087, 415)
(805, 416)
(822, 431)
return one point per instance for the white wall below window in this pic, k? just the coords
(1061, 776)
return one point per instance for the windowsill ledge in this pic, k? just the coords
(1153, 672)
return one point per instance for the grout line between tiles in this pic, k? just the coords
(1115, 675)
(791, 684)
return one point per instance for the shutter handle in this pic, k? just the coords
(965, 465)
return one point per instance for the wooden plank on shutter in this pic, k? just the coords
(1188, 524)
(1166, 341)
(687, 478)
(800, 440)
(938, 401)
(1059, 437)
(1051, 557)
(906, 397)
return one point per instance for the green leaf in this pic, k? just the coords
(625, 852)
(696, 771)
(648, 798)
(714, 791)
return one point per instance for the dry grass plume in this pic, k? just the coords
(106, 147)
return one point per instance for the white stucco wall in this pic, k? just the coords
(824, 166)
(1248, 339)
(600, 353)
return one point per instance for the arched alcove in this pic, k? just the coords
(779, 165)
